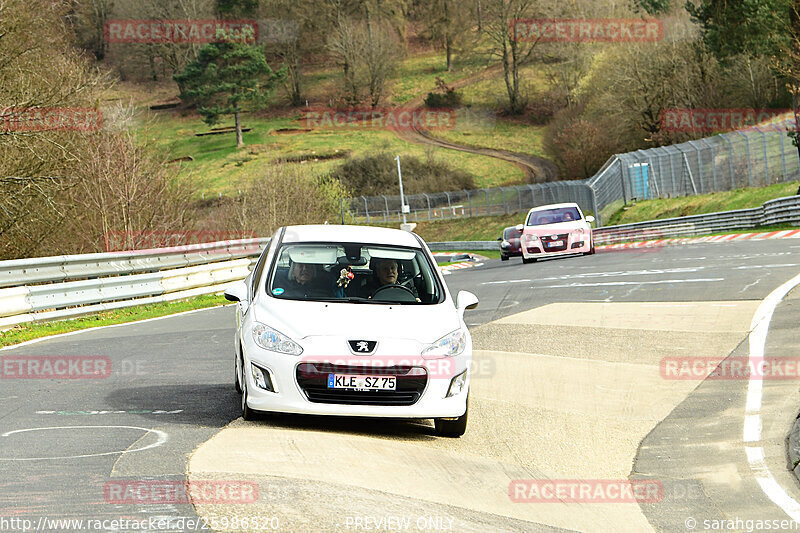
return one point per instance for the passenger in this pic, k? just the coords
(305, 281)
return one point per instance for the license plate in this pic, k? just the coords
(555, 243)
(349, 381)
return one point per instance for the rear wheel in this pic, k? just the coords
(452, 428)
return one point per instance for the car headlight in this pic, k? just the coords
(531, 238)
(450, 345)
(274, 341)
(505, 244)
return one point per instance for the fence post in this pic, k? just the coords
(783, 150)
(766, 161)
(366, 207)
(449, 205)
(730, 161)
(469, 201)
(519, 196)
(593, 199)
(533, 196)
(386, 203)
(488, 203)
(427, 199)
(749, 162)
(699, 165)
(505, 205)
(713, 162)
(622, 179)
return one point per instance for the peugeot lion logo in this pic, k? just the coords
(362, 347)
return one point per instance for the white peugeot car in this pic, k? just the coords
(554, 230)
(352, 321)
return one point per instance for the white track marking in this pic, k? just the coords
(759, 327)
(162, 438)
(621, 283)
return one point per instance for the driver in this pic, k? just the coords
(384, 272)
(568, 217)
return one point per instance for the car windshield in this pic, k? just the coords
(354, 273)
(511, 233)
(553, 216)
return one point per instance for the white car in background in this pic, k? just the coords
(555, 230)
(346, 345)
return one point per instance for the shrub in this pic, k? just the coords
(376, 174)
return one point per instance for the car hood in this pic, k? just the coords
(421, 323)
(553, 229)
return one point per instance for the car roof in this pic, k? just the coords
(553, 206)
(356, 234)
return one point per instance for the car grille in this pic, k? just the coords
(546, 239)
(313, 381)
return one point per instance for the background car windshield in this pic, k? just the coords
(511, 233)
(380, 274)
(553, 216)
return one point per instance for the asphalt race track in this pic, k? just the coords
(572, 383)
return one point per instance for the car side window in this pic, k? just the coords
(259, 268)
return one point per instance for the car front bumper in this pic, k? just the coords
(290, 397)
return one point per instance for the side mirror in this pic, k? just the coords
(499, 238)
(520, 227)
(466, 300)
(590, 219)
(236, 292)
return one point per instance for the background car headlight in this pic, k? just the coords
(451, 344)
(274, 341)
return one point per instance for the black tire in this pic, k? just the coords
(591, 251)
(503, 257)
(528, 261)
(237, 374)
(452, 428)
(247, 413)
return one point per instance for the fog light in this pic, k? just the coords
(457, 384)
(262, 378)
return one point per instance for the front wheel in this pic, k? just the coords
(452, 428)
(247, 413)
(503, 257)
(528, 261)
(237, 373)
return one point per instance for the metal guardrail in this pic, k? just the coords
(50, 288)
(67, 267)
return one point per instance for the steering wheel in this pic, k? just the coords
(401, 293)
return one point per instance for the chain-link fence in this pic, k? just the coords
(755, 157)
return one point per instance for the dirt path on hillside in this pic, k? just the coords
(537, 169)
